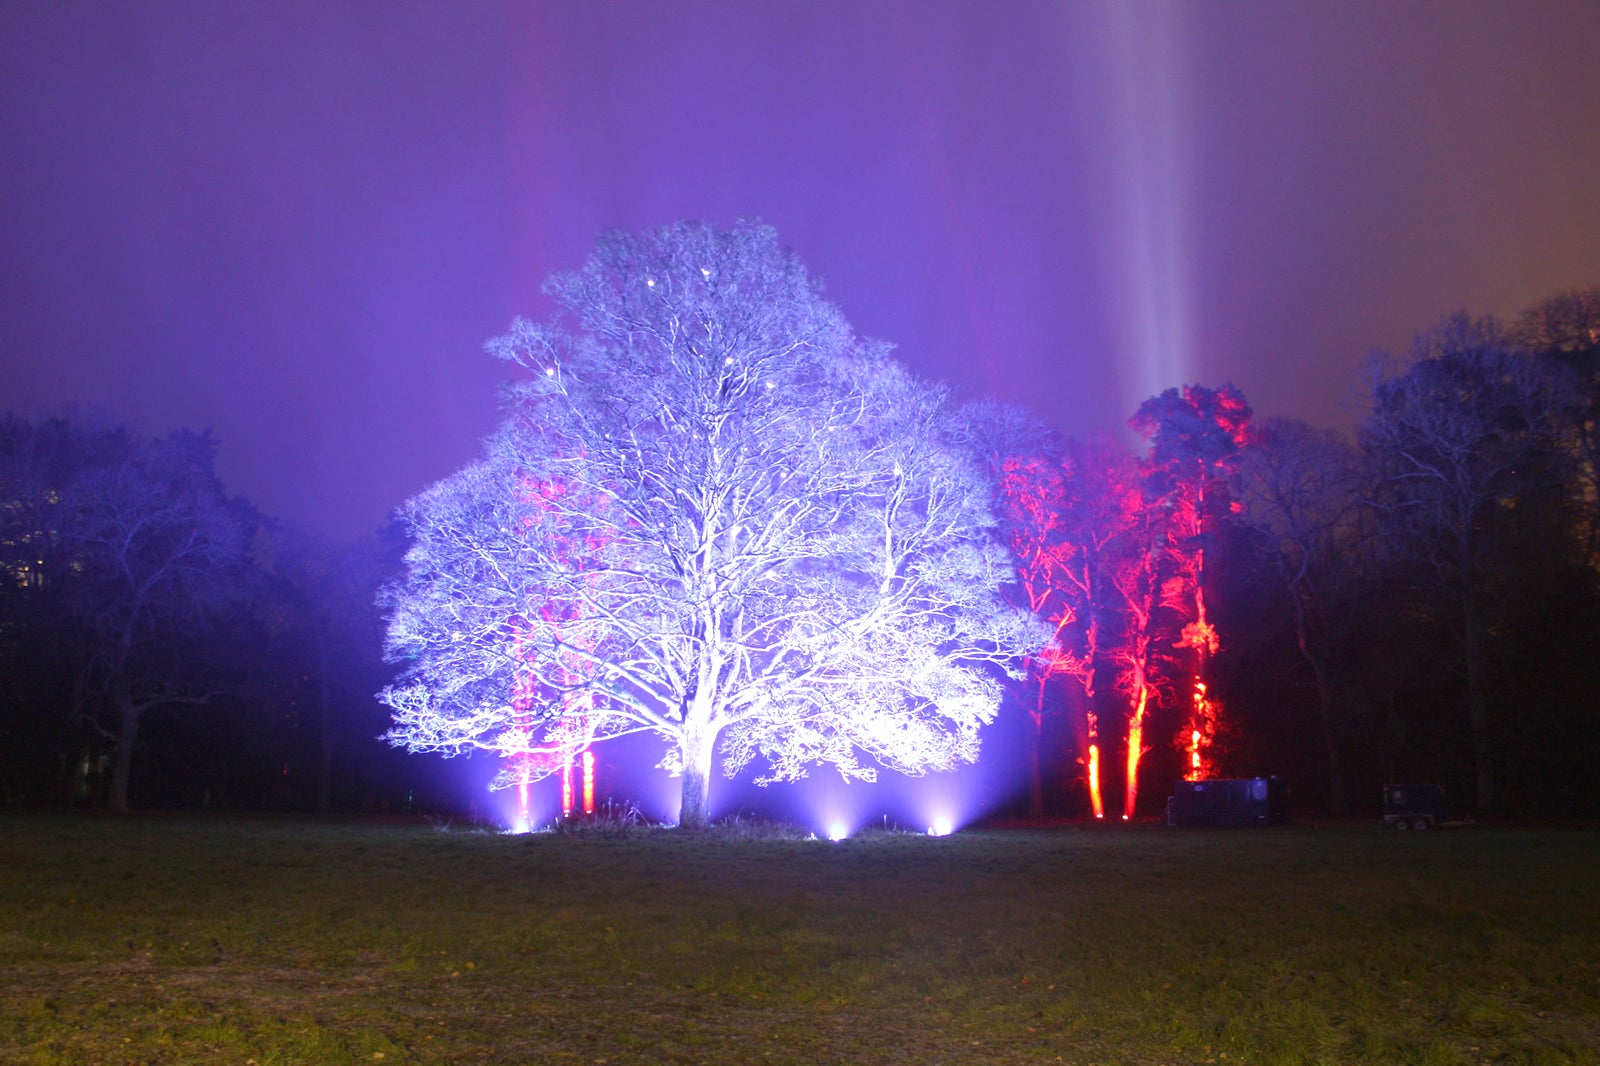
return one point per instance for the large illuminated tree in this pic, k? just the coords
(710, 515)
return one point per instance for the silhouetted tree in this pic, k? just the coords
(1464, 429)
(1565, 330)
(130, 552)
(45, 697)
(328, 638)
(1302, 495)
(156, 548)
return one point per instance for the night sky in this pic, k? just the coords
(297, 222)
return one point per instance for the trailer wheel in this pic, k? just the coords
(1420, 824)
(1401, 825)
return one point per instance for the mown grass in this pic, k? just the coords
(175, 940)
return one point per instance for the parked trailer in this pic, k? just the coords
(1229, 801)
(1413, 806)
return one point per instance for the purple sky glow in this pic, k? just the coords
(297, 222)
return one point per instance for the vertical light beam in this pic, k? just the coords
(1148, 218)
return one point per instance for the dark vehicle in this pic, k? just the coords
(1227, 802)
(1413, 806)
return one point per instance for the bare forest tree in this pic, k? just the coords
(158, 549)
(1302, 494)
(1565, 330)
(134, 550)
(713, 516)
(1458, 433)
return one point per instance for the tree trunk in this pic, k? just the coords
(695, 750)
(1319, 673)
(128, 712)
(1478, 712)
(1035, 742)
(1135, 749)
(325, 724)
(1477, 698)
(1330, 743)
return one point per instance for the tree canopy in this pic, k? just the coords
(711, 515)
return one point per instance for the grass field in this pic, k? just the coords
(175, 940)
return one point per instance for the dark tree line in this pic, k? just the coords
(1419, 600)
(164, 644)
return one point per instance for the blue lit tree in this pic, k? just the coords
(713, 516)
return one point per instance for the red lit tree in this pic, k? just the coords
(1035, 484)
(1106, 519)
(1031, 503)
(1195, 436)
(1062, 505)
(1127, 537)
